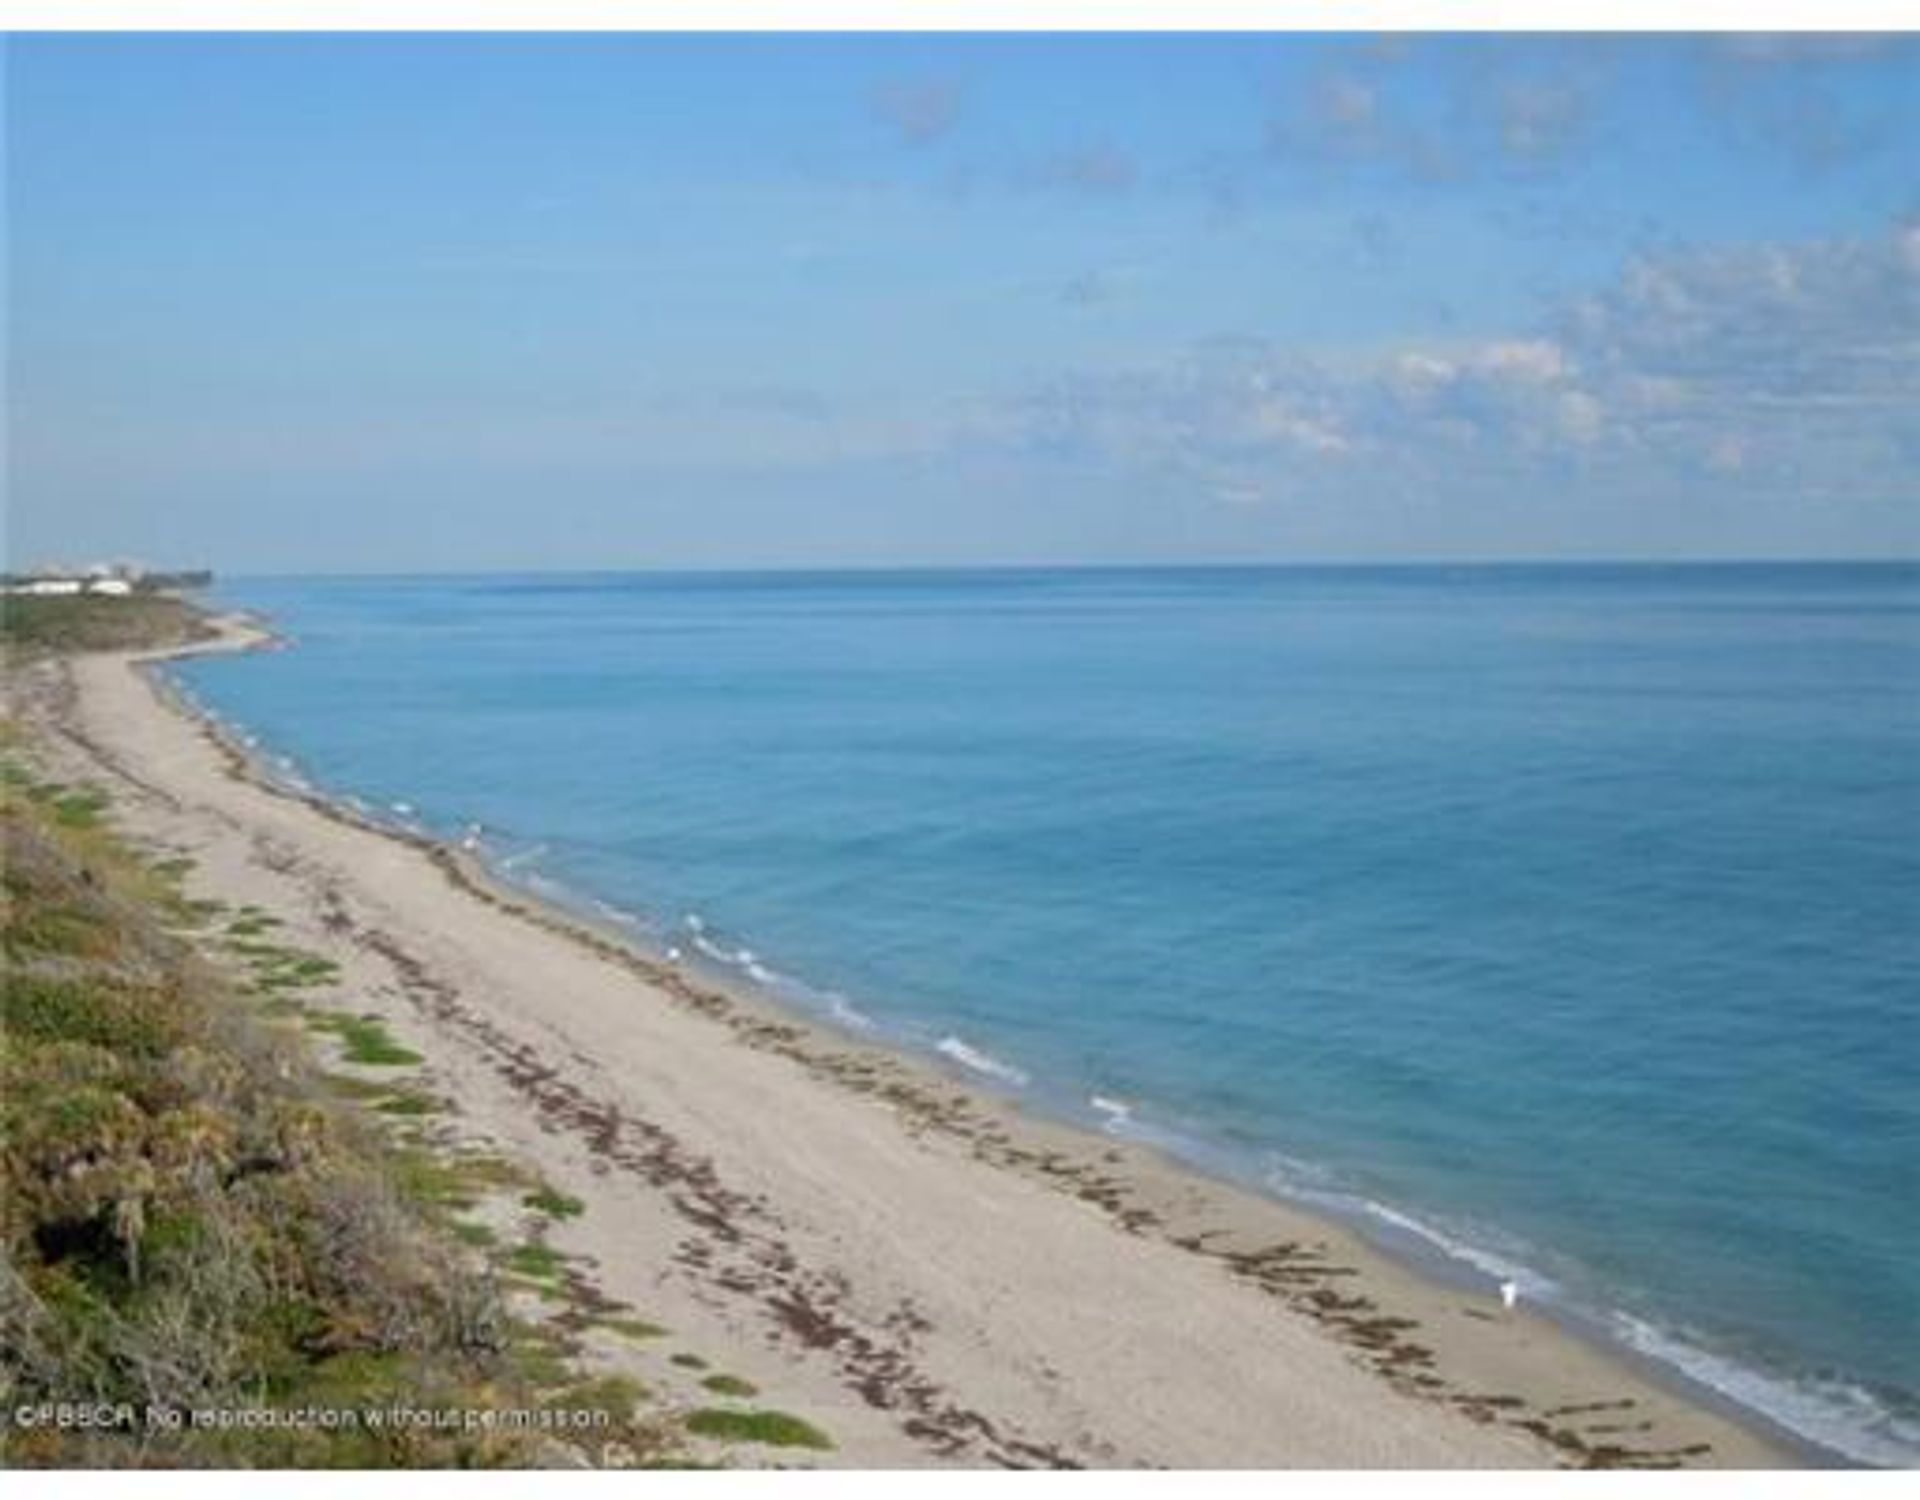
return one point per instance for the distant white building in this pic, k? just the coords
(115, 580)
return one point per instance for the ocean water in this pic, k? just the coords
(1563, 922)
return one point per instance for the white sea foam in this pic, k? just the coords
(980, 1062)
(1294, 1174)
(795, 991)
(1119, 1114)
(1836, 1414)
(507, 864)
(847, 1014)
(405, 809)
(616, 914)
(1493, 1265)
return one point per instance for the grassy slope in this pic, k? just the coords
(190, 1217)
(195, 1214)
(98, 623)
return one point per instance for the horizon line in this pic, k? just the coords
(1213, 566)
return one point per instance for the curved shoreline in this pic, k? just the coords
(1455, 1350)
(1417, 1249)
(1409, 1244)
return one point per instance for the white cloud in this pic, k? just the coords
(1538, 121)
(1537, 361)
(1794, 365)
(1727, 455)
(1582, 417)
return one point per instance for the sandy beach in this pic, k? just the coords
(930, 1275)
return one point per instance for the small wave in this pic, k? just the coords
(607, 911)
(980, 1062)
(1293, 1174)
(1496, 1267)
(743, 959)
(1304, 1182)
(1118, 1113)
(846, 1013)
(508, 863)
(749, 962)
(405, 809)
(1837, 1414)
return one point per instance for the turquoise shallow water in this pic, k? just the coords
(1565, 921)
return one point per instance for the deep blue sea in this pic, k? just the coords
(1562, 921)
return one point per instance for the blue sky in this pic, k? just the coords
(519, 301)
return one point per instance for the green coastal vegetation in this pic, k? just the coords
(555, 1205)
(32, 624)
(775, 1429)
(196, 1221)
(222, 1200)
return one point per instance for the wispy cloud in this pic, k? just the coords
(1088, 289)
(1539, 121)
(1795, 94)
(1103, 168)
(1511, 107)
(1351, 116)
(1793, 365)
(919, 110)
(1103, 286)
(1773, 48)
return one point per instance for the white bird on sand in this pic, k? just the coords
(1509, 1294)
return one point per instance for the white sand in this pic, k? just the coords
(923, 1272)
